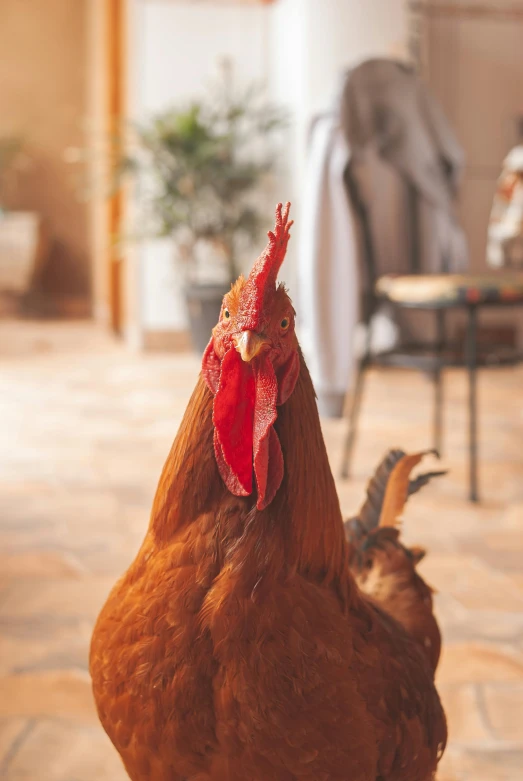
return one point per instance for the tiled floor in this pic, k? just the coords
(85, 428)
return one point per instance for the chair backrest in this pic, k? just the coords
(368, 253)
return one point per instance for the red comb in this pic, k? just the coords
(262, 279)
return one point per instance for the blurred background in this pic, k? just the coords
(143, 145)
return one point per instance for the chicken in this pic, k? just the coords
(384, 568)
(237, 646)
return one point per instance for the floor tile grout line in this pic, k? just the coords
(15, 747)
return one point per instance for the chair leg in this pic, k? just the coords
(471, 359)
(437, 434)
(354, 413)
(438, 384)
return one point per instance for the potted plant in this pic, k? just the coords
(21, 232)
(201, 165)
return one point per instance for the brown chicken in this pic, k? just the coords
(237, 646)
(384, 568)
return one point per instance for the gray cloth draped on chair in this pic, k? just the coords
(403, 163)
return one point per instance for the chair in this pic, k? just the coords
(436, 293)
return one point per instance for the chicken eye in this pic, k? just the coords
(285, 323)
(226, 314)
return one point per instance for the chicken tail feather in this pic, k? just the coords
(388, 491)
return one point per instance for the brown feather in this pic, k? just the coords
(397, 491)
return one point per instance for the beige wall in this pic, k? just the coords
(473, 64)
(43, 98)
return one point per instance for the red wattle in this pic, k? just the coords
(226, 473)
(246, 396)
(233, 415)
(267, 456)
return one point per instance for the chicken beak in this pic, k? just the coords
(249, 344)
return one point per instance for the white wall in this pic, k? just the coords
(342, 33)
(182, 43)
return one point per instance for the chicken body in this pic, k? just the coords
(237, 646)
(388, 575)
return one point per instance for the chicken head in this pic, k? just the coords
(251, 366)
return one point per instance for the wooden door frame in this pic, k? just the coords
(115, 110)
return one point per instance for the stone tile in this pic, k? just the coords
(513, 516)
(460, 625)
(59, 751)
(504, 540)
(11, 731)
(472, 662)
(501, 549)
(40, 563)
(477, 765)
(463, 709)
(65, 694)
(29, 646)
(504, 705)
(45, 597)
(517, 578)
(472, 583)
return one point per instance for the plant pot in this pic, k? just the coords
(203, 306)
(21, 250)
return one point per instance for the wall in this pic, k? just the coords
(43, 93)
(473, 65)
